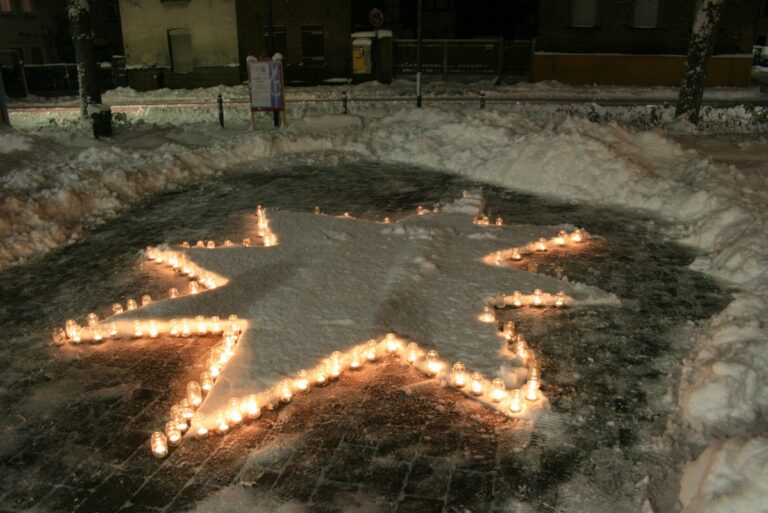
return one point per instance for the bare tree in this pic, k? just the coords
(699, 52)
(79, 14)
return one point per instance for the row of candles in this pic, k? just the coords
(184, 418)
(561, 240)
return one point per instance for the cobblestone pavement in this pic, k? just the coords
(75, 422)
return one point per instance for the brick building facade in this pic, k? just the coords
(314, 37)
(652, 35)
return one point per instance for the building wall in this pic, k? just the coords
(333, 15)
(212, 30)
(40, 30)
(614, 32)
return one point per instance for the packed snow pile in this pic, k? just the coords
(10, 142)
(724, 386)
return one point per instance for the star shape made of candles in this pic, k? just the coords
(336, 283)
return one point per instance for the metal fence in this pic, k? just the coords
(49, 79)
(463, 56)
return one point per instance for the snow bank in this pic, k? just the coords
(724, 385)
(10, 142)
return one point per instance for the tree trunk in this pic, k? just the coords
(82, 36)
(699, 52)
(4, 119)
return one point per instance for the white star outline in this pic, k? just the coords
(524, 403)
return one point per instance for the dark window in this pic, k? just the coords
(26, 6)
(180, 50)
(6, 6)
(646, 14)
(584, 13)
(312, 43)
(281, 40)
(36, 55)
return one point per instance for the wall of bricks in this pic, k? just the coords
(614, 32)
(333, 15)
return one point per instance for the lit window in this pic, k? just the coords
(584, 13)
(26, 6)
(646, 13)
(6, 6)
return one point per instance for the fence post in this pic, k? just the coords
(445, 59)
(482, 99)
(500, 60)
(344, 109)
(220, 106)
(4, 119)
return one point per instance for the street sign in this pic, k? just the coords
(265, 84)
(376, 18)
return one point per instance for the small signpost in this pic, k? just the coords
(265, 85)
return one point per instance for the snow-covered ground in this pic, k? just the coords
(716, 206)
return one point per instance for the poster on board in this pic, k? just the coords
(265, 84)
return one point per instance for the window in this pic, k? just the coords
(26, 6)
(646, 14)
(584, 13)
(281, 40)
(180, 50)
(6, 6)
(18, 51)
(312, 43)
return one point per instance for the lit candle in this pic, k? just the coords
(59, 336)
(321, 379)
(210, 244)
(487, 315)
(235, 416)
(227, 243)
(498, 390)
(172, 433)
(247, 243)
(517, 299)
(509, 330)
(541, 245)
(206, 381)
(286, 391)
(198, 425)
(177, 415)
(392, 343)
(138, 330)
(387, 220)
(173, 292)
(92, 319)
(146, 299)
(413, 354)
(433, 363)
(187, 411)
(194, 288)
(317, 210)
(458, 375)
(202, 328)
(521, 348)
(117, 308)
(75, 334)
(130, 304)
(560, 299)
(222, 423)
(334, 365)
(302, 381)
(185, 244)
(215, 325)
(370, 353)
(173, 328)
(234, 324)
(499, 221)
(153, 331)
(250, 407)
(200, 244)
(537, 301)
(577, 236)
(477, 385)
(159, 445)
(113, 330)
(561, 238)
(355, 362)
(516, 255)
(499, 258)
(186, 329)
(515, 401)
(194, 393)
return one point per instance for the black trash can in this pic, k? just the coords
(101, 118)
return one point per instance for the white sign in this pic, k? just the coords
(265, 79)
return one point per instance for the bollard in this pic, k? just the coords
(220, 105)
(344, 109)
(482, 99)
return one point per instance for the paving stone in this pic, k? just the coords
(420, 505)
(470, 491)
(429, 477)
(350, 462)
(385, 477)
(26, 494)
(112, 493)
(296, 483)
(61, 499)
(336, 495)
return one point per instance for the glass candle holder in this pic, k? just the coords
(433, 363)
(131, 304)
(199, 427)
(577, 236)
(222, 421)
(234, 415)
(498, 390)
(355, 361)
(371, 354)
(412, 352)
(541, 245)
(515, 401)
(173, 328)
(392, 343)
(153, 330)
(516, 256)
(92, 320)
(487, 315)
(561, 238)
(532, 389)
(172, 433)
(509, 330)
(477, 384)
(302, 381)
(216, 325)
(560, 299)
(194, 288)
(200, 325)
(285, 391)
(537, 299)
(251, 407)
(517, 299)
(146, 299)
(206, 381)
(159, 445)
(334, 365)
(117, 308)
(458, 375)
(194, 393)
